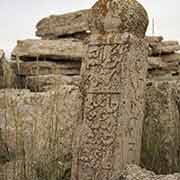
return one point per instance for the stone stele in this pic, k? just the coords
(118, 16)
(113, 75)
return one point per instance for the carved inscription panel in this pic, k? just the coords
(109, 135)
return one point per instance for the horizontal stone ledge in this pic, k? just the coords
(35, 49)
(157, 62)
(62, 25)
(163, 71)
(169, 43)
(175, 57)
(160, 49)
(168, 58)
(48, 82)
(154, 39)
(45, 68)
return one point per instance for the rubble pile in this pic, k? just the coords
(133, 172)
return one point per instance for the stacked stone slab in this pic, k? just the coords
(40, 63)
(35, 60)
(74, 24)
(164, 60)
(161, 132)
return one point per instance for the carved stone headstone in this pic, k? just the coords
(118, 16)
(109, 134)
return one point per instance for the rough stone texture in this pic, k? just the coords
(164, 61)
(48, 82)
(34, 68)
(7, 75)
(153, 39)
(157, 62)
(119, 16)
(31, 49)
(161, 132)
(175, 57)
(38, 131)
(70, 24)
(160, 48)
(133, 172)
(109, 136)
(4, 153)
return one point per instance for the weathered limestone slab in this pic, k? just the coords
(134, 172)
(160, 49)
(153, 39)
(34, 68)
(44, 83)
(42, 126)
(169, 43)
(161, 75)
(157, 62)
(165, 59)
(175, 57)
(63, 25)
(31, 49)
(109, 136)
(161, 134)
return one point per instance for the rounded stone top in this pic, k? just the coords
(119, 16)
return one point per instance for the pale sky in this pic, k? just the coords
(19, 17)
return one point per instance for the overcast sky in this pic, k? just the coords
(19, 17)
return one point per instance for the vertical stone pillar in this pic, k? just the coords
(113, 72)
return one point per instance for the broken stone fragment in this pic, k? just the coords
(175, 57)
(157, 62)
(164, 48)
(169, 43)
(44, 83)
(153, 39)
(69, 24)
(134, 172)
(48, 50)
(34, 68)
